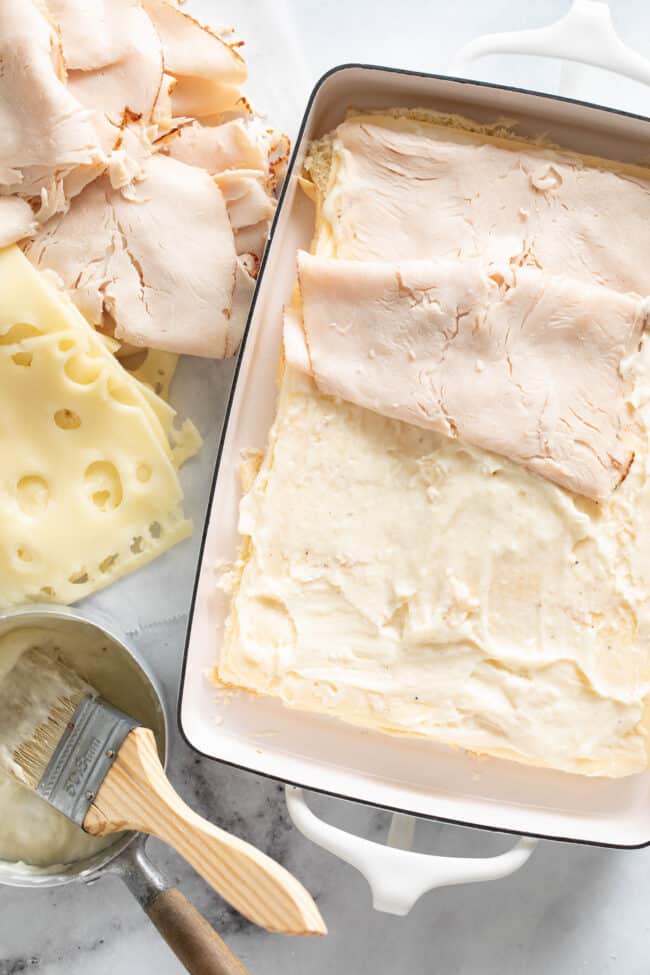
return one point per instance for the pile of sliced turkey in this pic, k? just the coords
(132, 166)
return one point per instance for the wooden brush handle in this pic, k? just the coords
(194, 942)
(137, 795)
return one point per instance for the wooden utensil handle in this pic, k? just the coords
(194, 942)
(137, 795)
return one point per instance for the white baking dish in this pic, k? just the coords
(411, 776)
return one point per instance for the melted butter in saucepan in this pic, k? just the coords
(31, 831)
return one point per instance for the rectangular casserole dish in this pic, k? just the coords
(411, 776)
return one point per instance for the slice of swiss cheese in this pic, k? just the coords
(44, 308)
(153, 367)
(88, 482)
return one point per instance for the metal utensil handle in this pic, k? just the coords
(194, 942)
(585, 35)
(397, 876)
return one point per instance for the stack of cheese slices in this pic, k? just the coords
(89, 487)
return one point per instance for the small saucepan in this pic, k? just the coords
(121, 675)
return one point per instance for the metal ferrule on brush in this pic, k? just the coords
(83, 757)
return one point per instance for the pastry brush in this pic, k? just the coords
(101, 769)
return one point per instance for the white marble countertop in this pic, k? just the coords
(571, 909)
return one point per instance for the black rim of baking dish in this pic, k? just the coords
(294, 155)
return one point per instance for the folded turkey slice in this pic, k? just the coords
(160, 266)
(529, 366)
(208, 71)
(16, 220)
(240, 160)
(49, 148)
(113, 56)
(231, 145)
(192, 50)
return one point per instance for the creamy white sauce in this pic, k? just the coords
(404, 581)
(407, 582)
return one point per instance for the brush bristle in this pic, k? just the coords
(32, 757)
(38, 699)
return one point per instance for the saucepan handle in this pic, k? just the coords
(585, 35)
(193, 940)
(398, 877)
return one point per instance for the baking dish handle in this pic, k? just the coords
(585, 35)
(398, 877)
